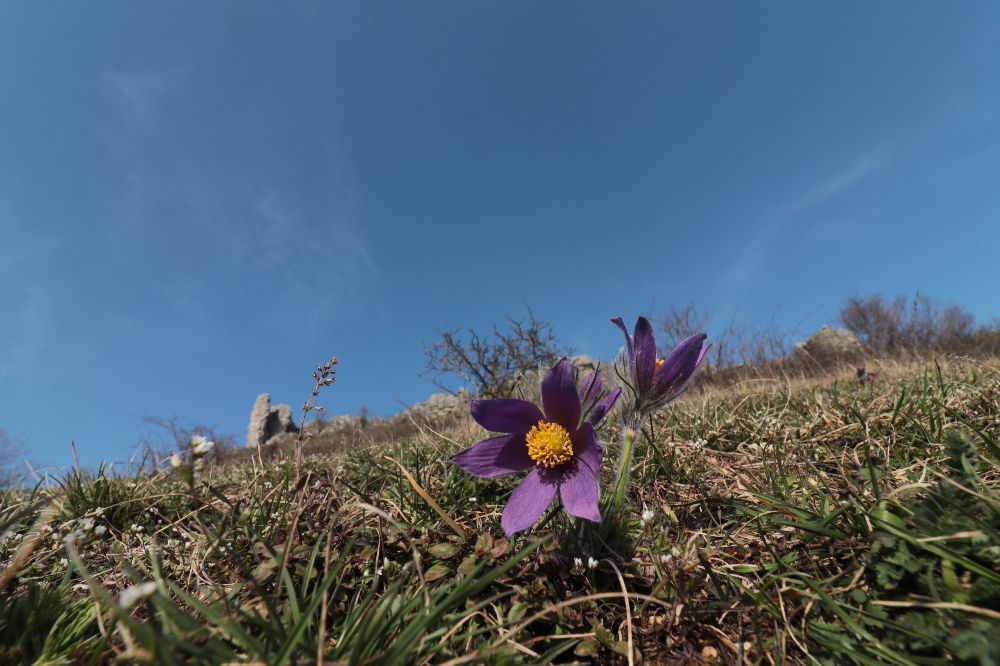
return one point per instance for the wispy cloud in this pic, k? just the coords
(25, 331)
(214, 234)
(17, 253)
(831, 187)
(240, 240)
(320, 260)
(139, 94)
(757, 250)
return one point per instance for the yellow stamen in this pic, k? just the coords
(549, 444)
(659, 364)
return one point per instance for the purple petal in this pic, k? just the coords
(586, 448)
(680, 365)
(495, 456)
(559, 396)
(528, 501)
(603, 407)
(506, 415)
(579, 491)
(644, 354)
(590, 388)
(701, 355)
(617, 321)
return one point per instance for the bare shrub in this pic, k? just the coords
(490, 364)
(890, 327)
(172, 434)
(733, 342)
(877, 322)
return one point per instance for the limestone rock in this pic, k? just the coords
(831, 343)
(266, 421)
(281, 420)
(258, 420)
(282, 439)
(341, 423)
(442, 405)
(585, 364)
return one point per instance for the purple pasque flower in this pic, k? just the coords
(654, 381)
(557, 445)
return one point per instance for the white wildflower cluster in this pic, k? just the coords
(85, 528)
(771, 426)
(667, 558)
(578, 564)
(697, 444)
(201, 447)
(646, 518)
(11, 539)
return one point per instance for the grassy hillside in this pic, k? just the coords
(769, 523)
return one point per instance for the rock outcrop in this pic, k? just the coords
(441, 406)
(267, 422)
(585, 364)
(831, 343)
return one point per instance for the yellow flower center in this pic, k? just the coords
(549, 444)
(659, 364)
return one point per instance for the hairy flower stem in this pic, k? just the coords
(624, 470)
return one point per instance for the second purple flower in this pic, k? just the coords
(654, 381)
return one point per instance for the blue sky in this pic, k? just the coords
(200, 201)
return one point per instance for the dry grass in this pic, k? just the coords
(795, 519)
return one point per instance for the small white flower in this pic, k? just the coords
(473, 500)
(697, 444)
(100, 530)
(646, 517)
(202, 448)
(85, 524)
(577, 563)
(591, 563)
(63, 562)
(176, 461)
(136, 593)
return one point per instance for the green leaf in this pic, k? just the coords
(439, 570)
(444, 550)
